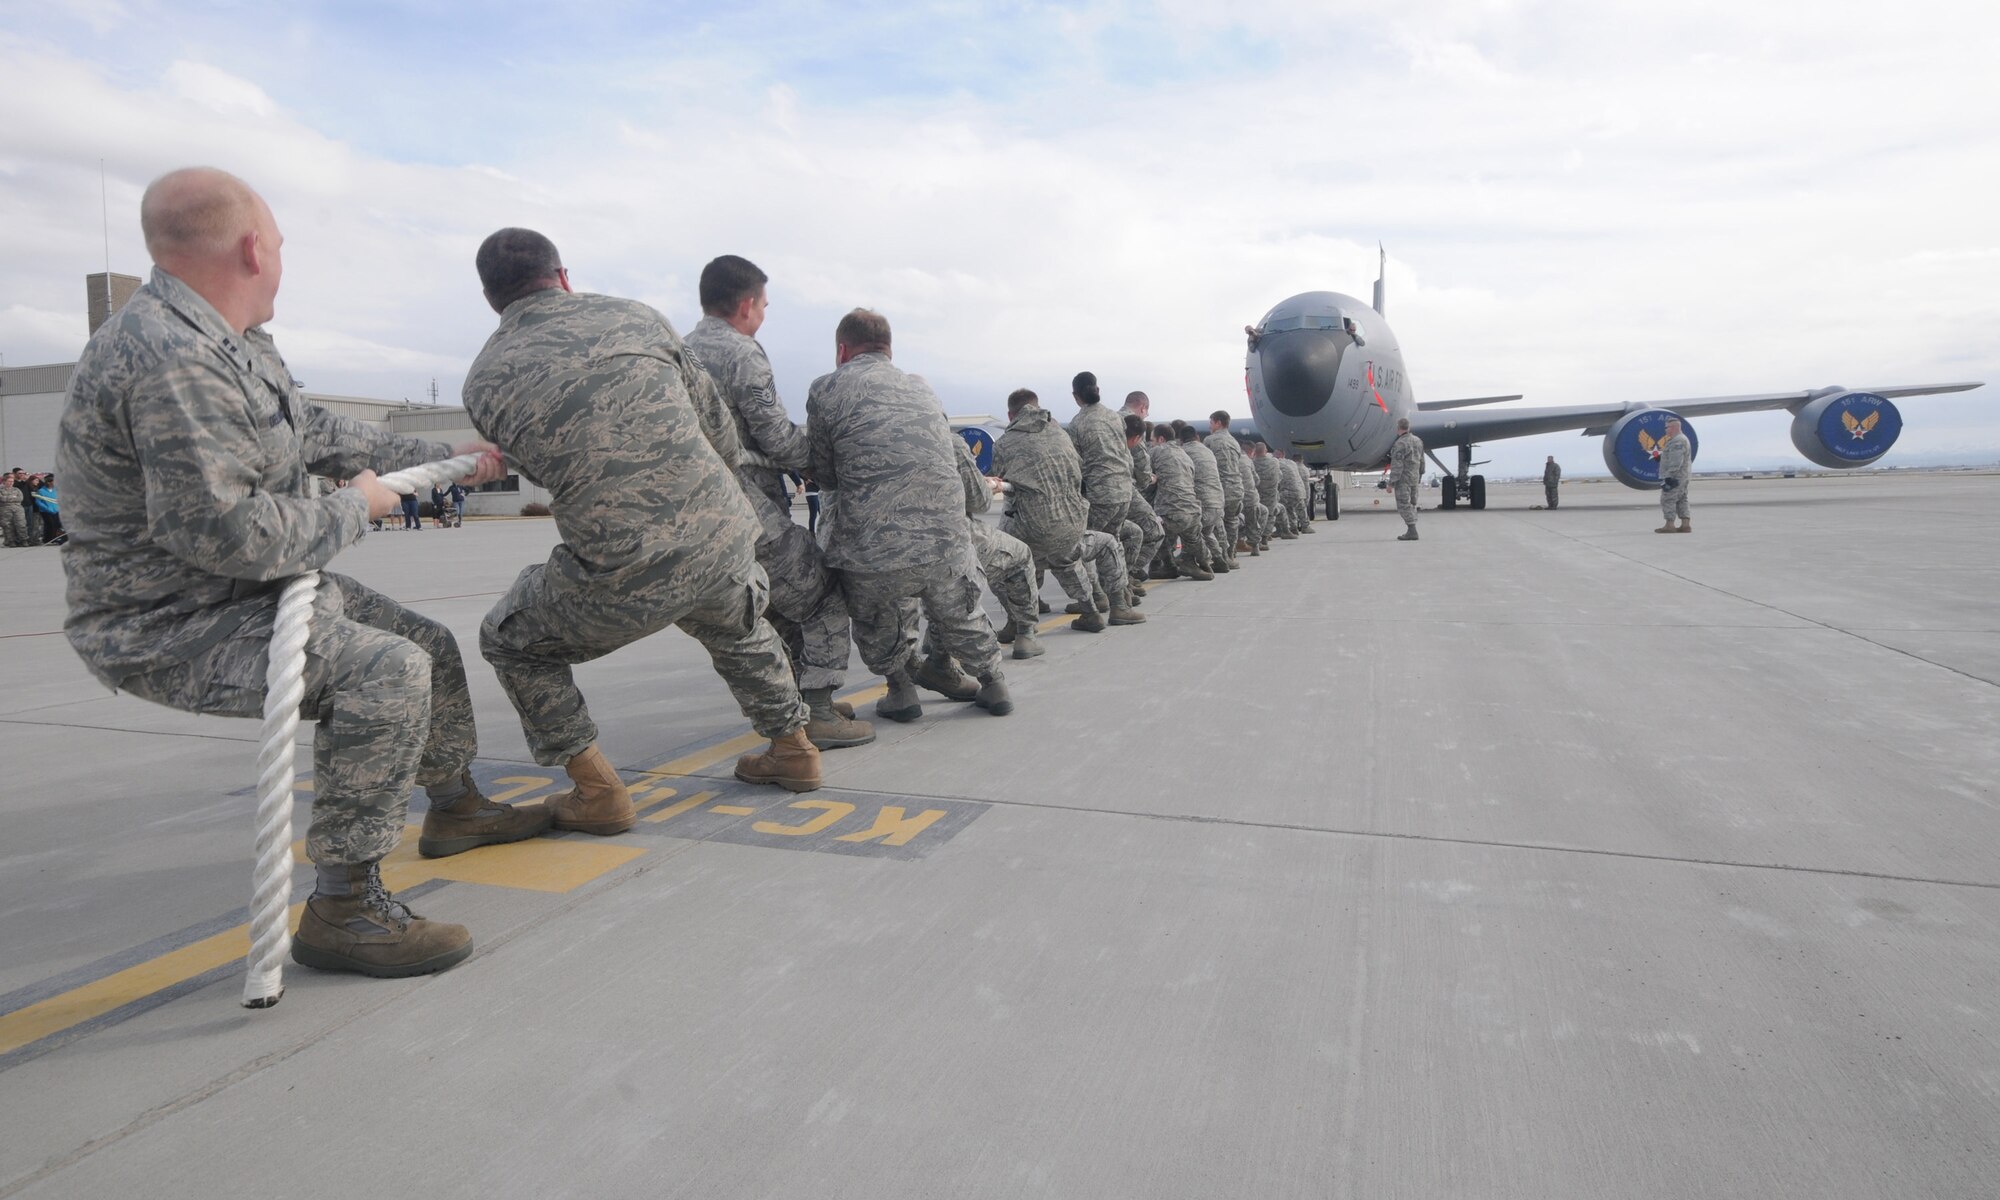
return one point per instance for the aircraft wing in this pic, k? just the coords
(1440, 428)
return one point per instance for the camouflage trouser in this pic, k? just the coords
(1550, 490)
(1406, 502)
(1116, 520)
(541, 628)
(1151, 534)
(1295, 504)
(885, 625)
(1062, 560)
(1281, 517)
(1211, 536)
(1674, 500)
(13, 522)
(806, 605)
(375, 676)
(1104, 556)
(1006, 561)
(1232, 524)
(1186, 526)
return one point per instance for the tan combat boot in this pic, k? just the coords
(1027, 644)
(938, 673)
(599, 803)
(369, 932)
(1687, 526)
(473, 820)
(1668, 527)
(826, 728)
(791, 762)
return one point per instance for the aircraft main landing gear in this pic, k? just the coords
(1464, 485)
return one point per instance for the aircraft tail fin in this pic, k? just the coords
(1381, 272)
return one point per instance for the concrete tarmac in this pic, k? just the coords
(1544, 857)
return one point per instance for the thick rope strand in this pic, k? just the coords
(284, 690)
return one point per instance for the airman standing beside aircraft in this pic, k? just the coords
(596, 399)
(1406, 470)
(1676, 468)
(806, 604)
(1552, 475)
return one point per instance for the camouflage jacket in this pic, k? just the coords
(743, 379)
(978, 493)
(1268, 474)
(596, 399)
(1099, 437)
(1038, 460)
(10, 496)
(1676, 458)
(879, 437)
(1551, 474)
(184, 451)
(1142, 470)
(1246, 470)
(1174, 494)
(1207, 479)
(1227, 451)
(1406, 460)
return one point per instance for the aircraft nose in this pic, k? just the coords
(1301, 367)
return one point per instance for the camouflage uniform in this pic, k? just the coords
(1099, 436)
(1256, 518)
(1677, 465)
(878, 437)
(1176, 502)
(184, 450)
(1270, 485)
(596, 399)
(806, 604)
(1551, 481)
(1004, 560)
(13, 515)
(1228, 453)
(1208, 488)
(1406, 471)
(1292, 490)
(1141, 514)
(1046, 508)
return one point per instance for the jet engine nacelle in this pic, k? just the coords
(1846, 429)
(1631, 446)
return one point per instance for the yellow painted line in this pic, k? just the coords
(674, 810)
(644, 798)
(734, 810)
(538, 865)
(116, 990)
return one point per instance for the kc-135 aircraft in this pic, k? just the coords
(1326, 380)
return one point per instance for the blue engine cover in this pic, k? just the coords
(1631, 446)
(1846, 429)
(981, 441)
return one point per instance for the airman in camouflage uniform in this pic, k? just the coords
(13, 514)
(1292, 491)
(1045, 506)
(1140, 513)
(185, 449)
(1676, 469)
(1227, 451)
(1406, 474)
(806, 605)
(1208, 489)
(1175, 500)
(1099, 436)
(1254, 512)
(878, 437)
(1003, 559)
(1270, 483)
(596, 399)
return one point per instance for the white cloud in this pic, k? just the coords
(1580, 203)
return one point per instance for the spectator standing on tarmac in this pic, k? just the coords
(410, 518)
(596, 399)
(1551, 479)
(1406, 470)
(24, 485)
(13, 512)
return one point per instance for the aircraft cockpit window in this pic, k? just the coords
(1304, 321)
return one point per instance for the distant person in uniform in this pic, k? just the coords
(13, 510)
(1406, 471)
(1208, 490)
(1227, 451)
(1551, 478)
(1676, 467)
(1141, 513)
(186, 447)
(597, 400)
(1179, 505)
(1277, 522)
(1099, 437)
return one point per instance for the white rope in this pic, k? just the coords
(284, 689)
